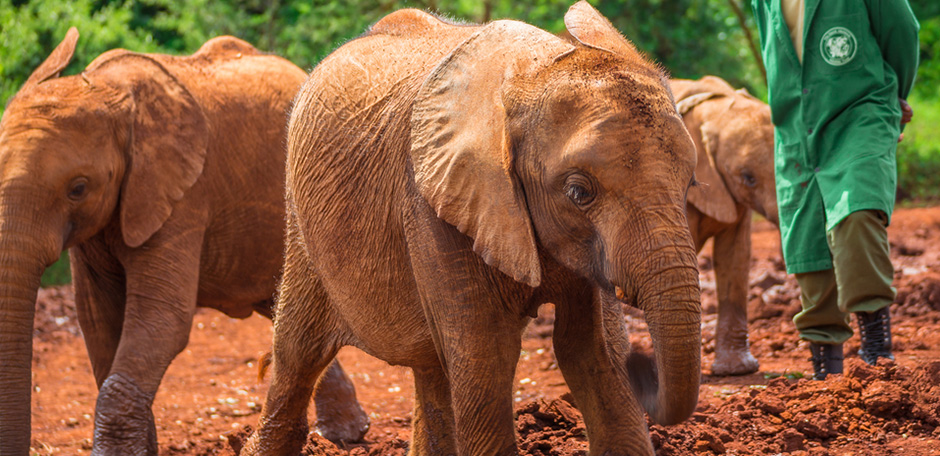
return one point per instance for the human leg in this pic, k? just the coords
(864, 273)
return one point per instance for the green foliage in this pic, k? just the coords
(304, 31)
(789, 375)
(57, 274)
(919, 153)
(31, 30)
(928, 74)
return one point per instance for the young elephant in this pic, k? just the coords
(164, 175)
(443, 182)
(735, 141)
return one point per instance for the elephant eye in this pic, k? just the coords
(579, 190)
(748, 179)
(77, 189)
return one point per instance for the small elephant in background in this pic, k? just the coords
(164, 176)
(444, 181)
(734, 137)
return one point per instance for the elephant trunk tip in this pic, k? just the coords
(645, 384)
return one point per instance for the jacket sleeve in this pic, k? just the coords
(895, 29)
(757, 9)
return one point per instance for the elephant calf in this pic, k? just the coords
(446, 180)
(734, 137)
(164, 175)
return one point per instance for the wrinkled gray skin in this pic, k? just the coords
(734, 138)
(445, 181)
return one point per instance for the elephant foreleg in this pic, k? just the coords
(476, 328)
(161, 287)
(99, 302)
(732, 256)
(481, 375)
(433, 422)
(591, 346)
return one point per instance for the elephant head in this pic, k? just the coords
(533, 145)
(735, 140)
(112, 148)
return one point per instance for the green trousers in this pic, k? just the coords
(859, 281)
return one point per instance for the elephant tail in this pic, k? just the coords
(263, 363)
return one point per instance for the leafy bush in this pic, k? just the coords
(57, 274)
(919, 153)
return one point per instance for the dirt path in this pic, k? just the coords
(210, 394)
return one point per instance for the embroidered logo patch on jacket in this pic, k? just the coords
(838, 46)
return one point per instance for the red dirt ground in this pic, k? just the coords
(210, 395)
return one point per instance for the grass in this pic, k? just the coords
(919, 153)
(57, 274)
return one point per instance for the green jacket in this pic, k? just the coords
(836, 115)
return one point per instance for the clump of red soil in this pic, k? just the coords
(551, 428)
(545, 428)
(865, 409)
(869, 409)
(919, 295)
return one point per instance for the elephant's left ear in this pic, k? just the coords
(592, 29)
(57, 60)
(461, 150)
(168, 141)
(711, 196)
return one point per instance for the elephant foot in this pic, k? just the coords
(352, 427)
(264, 442)
(124, 422)
(735, 362)
(340, 418)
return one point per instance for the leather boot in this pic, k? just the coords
(827, 359)
(875, 329)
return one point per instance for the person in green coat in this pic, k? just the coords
(838, 75)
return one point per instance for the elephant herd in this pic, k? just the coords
(418, 196)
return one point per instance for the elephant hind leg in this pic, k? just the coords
(302, 351)
(732, 253)
(433, 423)
(305, 343)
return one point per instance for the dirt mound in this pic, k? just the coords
(865, 408)
(545, 427)
(551, 428)
(919, 295)
(869, 409)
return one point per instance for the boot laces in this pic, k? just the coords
(825, 359)
(875, 329)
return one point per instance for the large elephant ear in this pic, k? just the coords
(592, 29)
(711, 195)
(168, 141)
(57, 60)
(461, 150)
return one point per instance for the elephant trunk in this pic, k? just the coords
(668, 293)
(22, 261)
